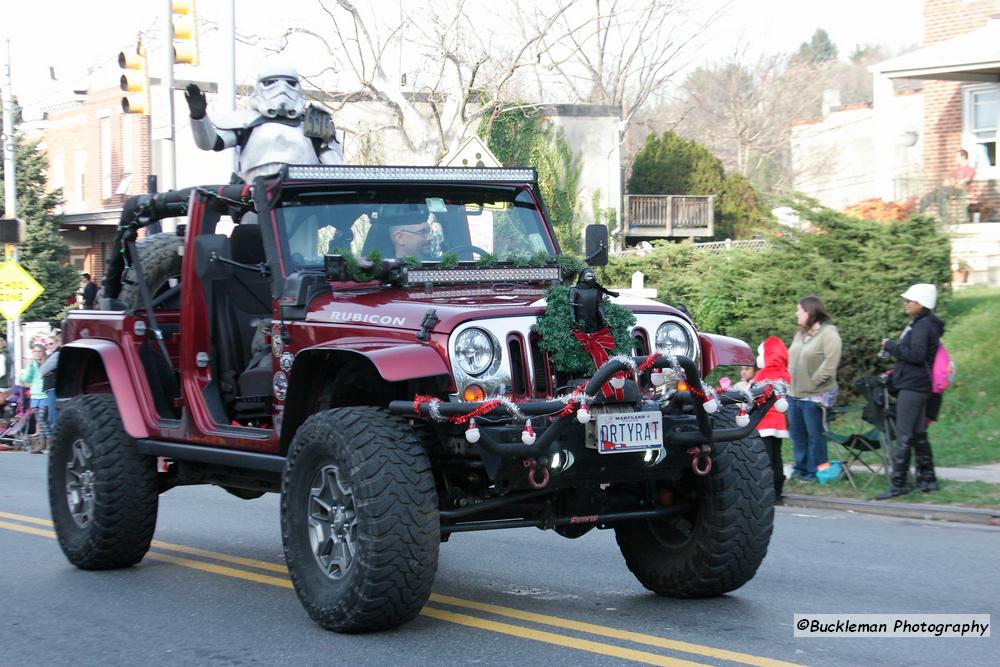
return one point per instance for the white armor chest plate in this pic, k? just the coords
(273, 144)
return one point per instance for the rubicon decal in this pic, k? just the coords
(388, 320)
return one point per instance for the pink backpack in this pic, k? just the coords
(943, 371)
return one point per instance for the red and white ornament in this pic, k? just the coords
(583, 414)
(472, 433)
(528, 434)
(711, 406)
(658, 378)
(618, 381)
(781, 405)
(742, 418)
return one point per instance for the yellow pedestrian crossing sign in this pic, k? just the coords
(17, 289)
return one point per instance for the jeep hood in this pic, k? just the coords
(406, 308)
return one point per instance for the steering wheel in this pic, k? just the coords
(466, 246)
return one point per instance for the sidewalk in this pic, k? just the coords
(989, 472)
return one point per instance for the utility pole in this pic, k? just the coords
(10, 201)
(229, 75)
(168, 177)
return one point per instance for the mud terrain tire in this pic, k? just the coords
(719, 546)
(359, 519)
(103, 495)
(160, 263)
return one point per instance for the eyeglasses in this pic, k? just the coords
(425, 232)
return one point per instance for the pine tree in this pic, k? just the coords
(43, 253)
(819, 49)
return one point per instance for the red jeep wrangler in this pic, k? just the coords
(275, 344)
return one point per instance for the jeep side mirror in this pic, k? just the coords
(596, 248)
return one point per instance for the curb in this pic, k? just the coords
(983, 516)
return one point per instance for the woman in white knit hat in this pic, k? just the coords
(911, 379)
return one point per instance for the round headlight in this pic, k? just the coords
(474, 351)
(671, 338)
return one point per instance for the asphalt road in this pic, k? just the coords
(213, 591)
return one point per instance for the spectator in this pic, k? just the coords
(911, 380)
(772, 358)
(964, 172)
(812, 366)
(48, 371)
(6, 368)
(89, 292)
(746, 376)
(31, 377)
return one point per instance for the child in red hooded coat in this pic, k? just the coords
(772, 358)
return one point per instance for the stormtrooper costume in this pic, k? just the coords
(279, 130)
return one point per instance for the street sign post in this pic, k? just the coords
(18, 289)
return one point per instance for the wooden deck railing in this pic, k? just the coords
(664, 216)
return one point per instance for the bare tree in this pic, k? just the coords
(435, 70)
(742, 109)
(441, 68)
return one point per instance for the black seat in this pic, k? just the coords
(239, 305)
(378, 238)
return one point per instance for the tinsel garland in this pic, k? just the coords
(555, 328)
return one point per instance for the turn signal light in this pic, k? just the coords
(473, 394)
(682, 386)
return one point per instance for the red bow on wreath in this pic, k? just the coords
(598, 345)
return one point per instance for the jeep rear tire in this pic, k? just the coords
(359, 519)
(161, 265)
(103, 494)
(718, 545)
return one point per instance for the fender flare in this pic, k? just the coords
(719, 350)
(393, 362)
(74, 360)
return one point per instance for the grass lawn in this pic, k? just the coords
(970, 494)
(968, 431)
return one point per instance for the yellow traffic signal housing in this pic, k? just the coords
(135, 80)
(185, 32)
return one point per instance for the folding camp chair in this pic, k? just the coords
(876, 441)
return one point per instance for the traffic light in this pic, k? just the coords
(185, 32)
(135, 80)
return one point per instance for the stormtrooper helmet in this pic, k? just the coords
(278, 93)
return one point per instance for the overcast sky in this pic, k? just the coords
(69, 35)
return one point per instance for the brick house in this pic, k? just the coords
(959, 66)
(99, 156)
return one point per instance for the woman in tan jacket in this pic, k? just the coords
(813, 358)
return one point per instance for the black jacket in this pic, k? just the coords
(915, 352)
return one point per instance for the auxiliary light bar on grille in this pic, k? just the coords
(473, 274)
(442, 174)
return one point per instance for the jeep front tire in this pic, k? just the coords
(718, 544)
(102, 493)
(359, 519)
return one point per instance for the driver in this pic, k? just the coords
(412, 240)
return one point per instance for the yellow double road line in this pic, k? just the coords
(467, 620)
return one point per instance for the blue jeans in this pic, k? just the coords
(50, 400)
(805, 426)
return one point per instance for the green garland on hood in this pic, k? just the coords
(556, 327)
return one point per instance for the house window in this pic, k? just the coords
(80, 179)
(981, 106)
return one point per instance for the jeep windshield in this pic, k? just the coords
(426, 222)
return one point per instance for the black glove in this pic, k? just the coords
(197, 103)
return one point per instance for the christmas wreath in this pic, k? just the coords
(556, 329)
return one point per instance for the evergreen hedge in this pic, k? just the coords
(857, 267)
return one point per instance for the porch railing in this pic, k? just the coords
(665, 216)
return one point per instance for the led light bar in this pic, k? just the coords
(472, 275)
(442, 174)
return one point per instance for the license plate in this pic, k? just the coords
(629, 432)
